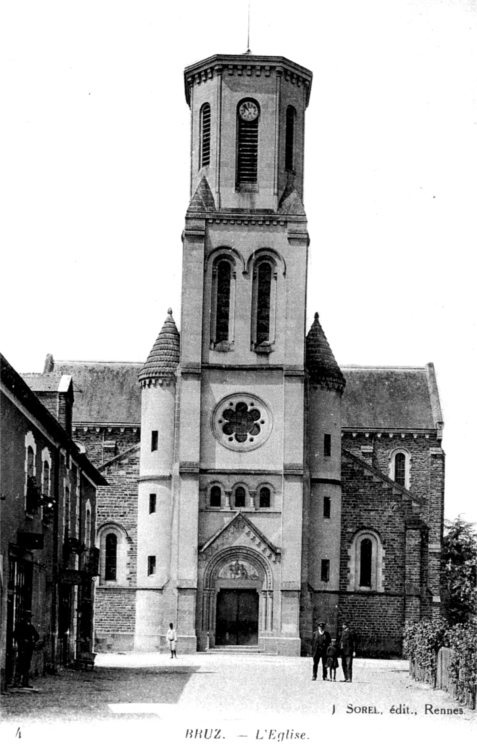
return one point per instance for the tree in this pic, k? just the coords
(459, 562)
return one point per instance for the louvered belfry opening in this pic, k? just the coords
(247, 155)
(205, 136)
(290, 140)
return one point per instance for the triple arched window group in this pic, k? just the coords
(241, 497)
(247, 148)
(224, 280)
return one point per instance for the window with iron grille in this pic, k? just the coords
(205, 136)
(247, 151)
(290, 139)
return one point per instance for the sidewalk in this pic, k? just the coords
(210, 691)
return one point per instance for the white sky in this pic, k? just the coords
(95, 185)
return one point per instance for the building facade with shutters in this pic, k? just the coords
(48, 557)
(255, 487)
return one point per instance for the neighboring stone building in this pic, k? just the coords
(48, 521)
(258, 487)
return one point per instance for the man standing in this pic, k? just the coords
(26, 637)
(347, 650)
(321, 641)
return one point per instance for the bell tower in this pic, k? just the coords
(239, 435)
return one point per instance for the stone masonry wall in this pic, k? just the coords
(103, 443)
(376, 616)
(117, 503)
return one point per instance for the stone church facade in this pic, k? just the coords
(255, 486)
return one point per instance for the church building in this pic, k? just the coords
(255, 487)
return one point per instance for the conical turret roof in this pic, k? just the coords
(320, 360)
(164, 357)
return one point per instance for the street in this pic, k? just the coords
(203, 697)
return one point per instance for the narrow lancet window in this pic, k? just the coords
(366, 559)
(205, 136)
(224, 274)
(290, 139)
(110, 566)
(400, 469)
(264, 286)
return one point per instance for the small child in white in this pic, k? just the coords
(172, 638)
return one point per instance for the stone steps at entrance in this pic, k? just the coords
(235, 650)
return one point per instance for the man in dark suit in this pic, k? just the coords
(321, 641)
(347, 650)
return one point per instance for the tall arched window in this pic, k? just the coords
(264, 285)
(366, 562)
(239, 498)
(87, 526)
(365, 566)
(114, 545)
(222, 317)
(111, 561)
(248, 115)
(205, 136)
(400, 468)
(290, 139)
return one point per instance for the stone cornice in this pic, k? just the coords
(246, 65)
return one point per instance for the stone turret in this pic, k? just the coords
(158, 384)
(325, 388)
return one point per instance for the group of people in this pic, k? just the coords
(327, 650)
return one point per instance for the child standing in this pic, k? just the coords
(172, 639)
(332, 659)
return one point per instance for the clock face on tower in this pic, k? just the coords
(248, 110)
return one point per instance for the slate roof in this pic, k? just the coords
(164, 357)
(47, 383)
(105, 392)
(391, 398)
(320, 360)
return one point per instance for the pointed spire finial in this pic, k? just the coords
(248, 52)
(169, 310)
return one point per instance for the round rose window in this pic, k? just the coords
(242, 422)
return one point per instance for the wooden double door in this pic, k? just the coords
(237, 617)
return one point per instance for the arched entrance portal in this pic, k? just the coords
(238, 599)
